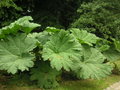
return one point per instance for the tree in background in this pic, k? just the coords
(97, 16)
(9, 11)
(101, 17)
(57, 13)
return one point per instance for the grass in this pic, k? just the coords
(73, 85)
(89, 84)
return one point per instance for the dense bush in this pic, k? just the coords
(90, 49)
(101, 17)
(57, 13)
(46, 55)
(9, 11)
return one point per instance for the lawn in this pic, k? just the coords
(69, 84)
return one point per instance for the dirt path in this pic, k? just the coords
(115, 86)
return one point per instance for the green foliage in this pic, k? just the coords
(15, 53)
(117, 45)
(9, 11)
(45, 75)
(101, 17)
(112, 54)
(84, 37)
(109, 49)
(9, 3)
(57, 13)
(41, 37)
(61, 50)
(22, 24)
(117, 66)
(102, 45)
(52, 29)
(53, 51)
(91, 65)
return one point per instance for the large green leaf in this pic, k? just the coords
(102, 45)
(117, 44)
(91, 65)
(15, 53)
(112, 55)
(44, 75)
(41, 37)
(84, 37)
(22, 24)
(61, 50)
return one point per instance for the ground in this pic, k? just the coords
(70, 85)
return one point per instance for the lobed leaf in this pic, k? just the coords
(45, 75)
(41, 37)
(15, 53)
(117, 44)
(61, 50)
(91, 65)
(84, 37)
(112, 55)
(22, 24)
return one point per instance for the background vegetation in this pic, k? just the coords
(95, 24)
(97, 16)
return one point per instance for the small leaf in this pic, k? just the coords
(52, 29)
